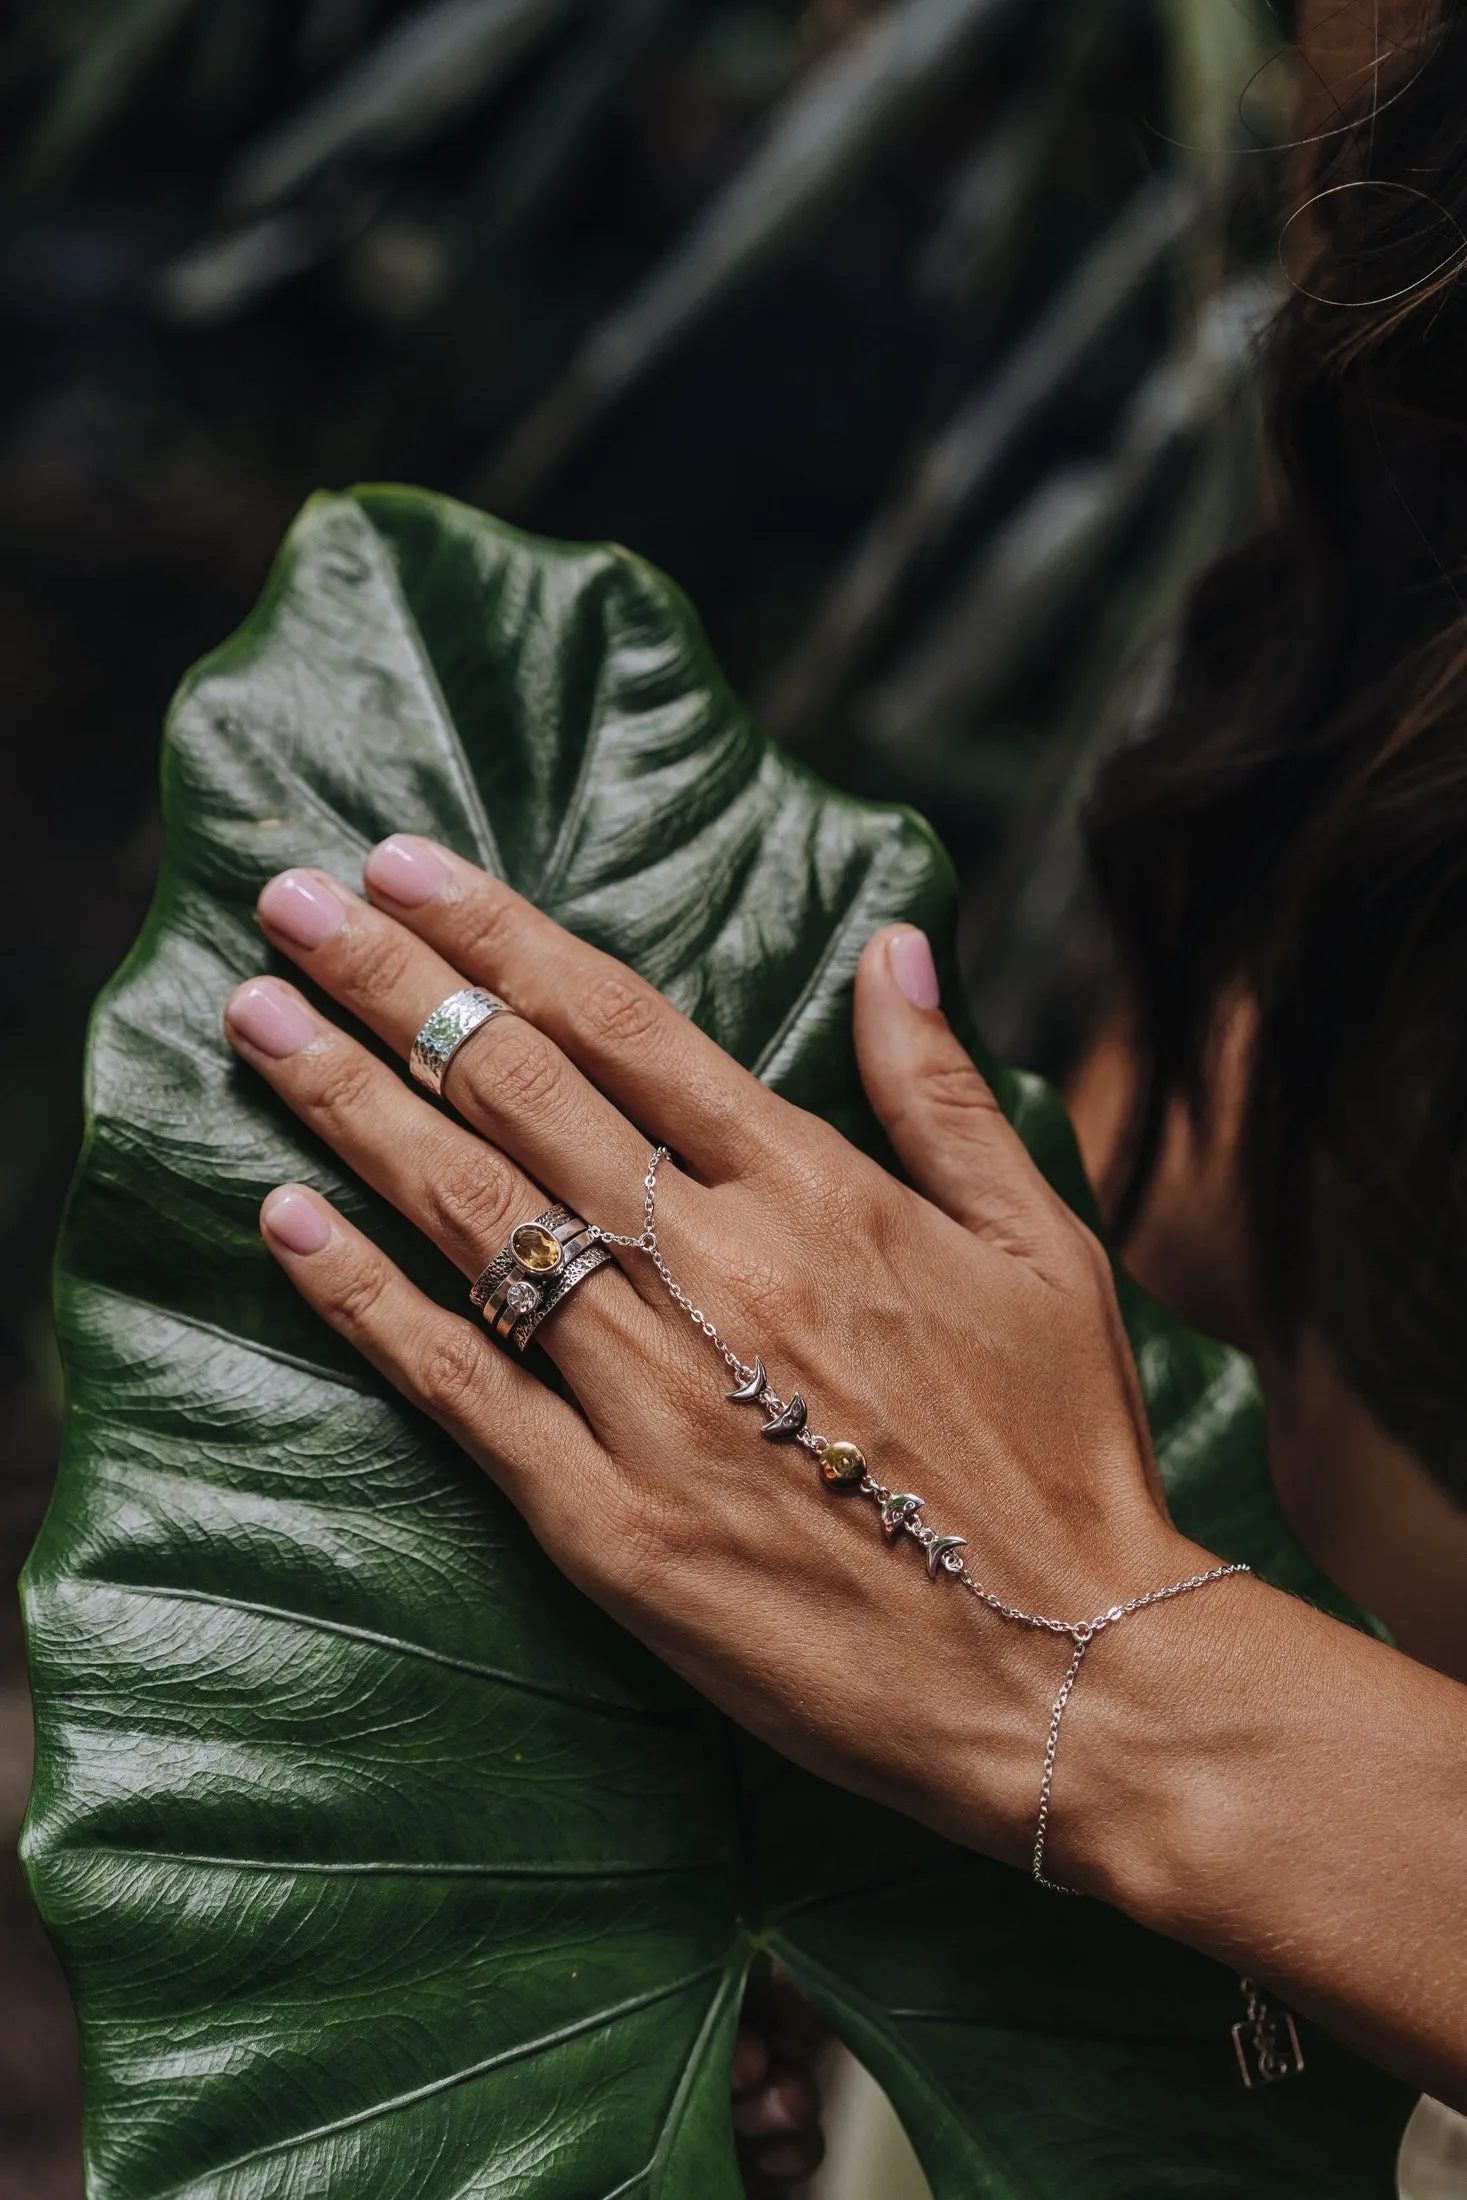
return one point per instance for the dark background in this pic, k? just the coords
(250, 248)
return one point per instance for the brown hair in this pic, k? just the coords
(1296, 823)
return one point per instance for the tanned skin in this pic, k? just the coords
(1228, 1725)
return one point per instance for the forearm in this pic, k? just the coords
(1287, 1795)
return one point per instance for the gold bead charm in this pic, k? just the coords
(842, 1465)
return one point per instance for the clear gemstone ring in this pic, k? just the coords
(543, 1261)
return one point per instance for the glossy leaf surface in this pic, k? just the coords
(382, 1864)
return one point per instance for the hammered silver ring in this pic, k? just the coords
(445, 1030)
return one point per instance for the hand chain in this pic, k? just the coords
(645, 1241)
(901, 1514)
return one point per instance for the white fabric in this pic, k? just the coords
(1433, 2158)
(868, 2156)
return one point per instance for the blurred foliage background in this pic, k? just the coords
(911, 338)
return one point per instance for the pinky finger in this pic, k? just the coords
(533, 1443)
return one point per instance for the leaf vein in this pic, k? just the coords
(560, 2037)
(397, 1645)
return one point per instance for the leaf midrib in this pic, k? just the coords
(489, 854)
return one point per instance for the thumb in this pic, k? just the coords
(938, 1111)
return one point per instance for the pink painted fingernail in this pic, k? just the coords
(270, 1018)
(405, 870)
(295, 1222)
(301, 909)
(913, 968)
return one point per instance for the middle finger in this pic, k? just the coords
(508, 1079)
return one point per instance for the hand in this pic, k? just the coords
(776, 2102)
(979, 1361)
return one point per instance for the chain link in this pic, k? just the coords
(645, 1241)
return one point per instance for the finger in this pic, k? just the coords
(750, 2060)
(788, 2101)
(534, 1443)
(773, 2166)
(651, 1059)
(796, 2029)
(938, 1112)
(461, 1192)
(509, 1079)
(951, 1135)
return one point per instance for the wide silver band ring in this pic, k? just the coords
(543, 1262)
(596, 1256)
(445, 1030)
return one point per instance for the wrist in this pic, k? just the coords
(1169, 1734)
(1274, 1788)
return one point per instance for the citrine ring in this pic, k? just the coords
(542, 1263)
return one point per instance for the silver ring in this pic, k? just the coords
(446, 1029)
(585, 1264)
(522, 1258)
(543, 1261)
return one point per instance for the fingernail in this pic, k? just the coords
(295, 1222)
(405, 870)
(913, 968)
(270, 1018)
(301, 908)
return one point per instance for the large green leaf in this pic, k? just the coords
(382, 1864)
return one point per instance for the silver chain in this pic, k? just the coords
(902, 1514)
(645, 1241)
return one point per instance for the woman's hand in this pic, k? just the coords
(978, 1361)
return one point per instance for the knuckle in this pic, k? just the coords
(525, 1070)
(963, 1083)
(450, 1370)
(345, 1083)
(472, 1197)
(955, 1093)
(618, 1011)
(359, 1293)
(383, 957)
(488, 921)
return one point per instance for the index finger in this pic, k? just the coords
(654, 1062)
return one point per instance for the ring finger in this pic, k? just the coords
(460, 1191)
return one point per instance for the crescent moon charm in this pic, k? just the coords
(897, 1510)
(787, 1424)
(749, 1393)
(937, 1553)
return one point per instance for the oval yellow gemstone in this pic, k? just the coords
(842, 1465)
(534, 1249)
